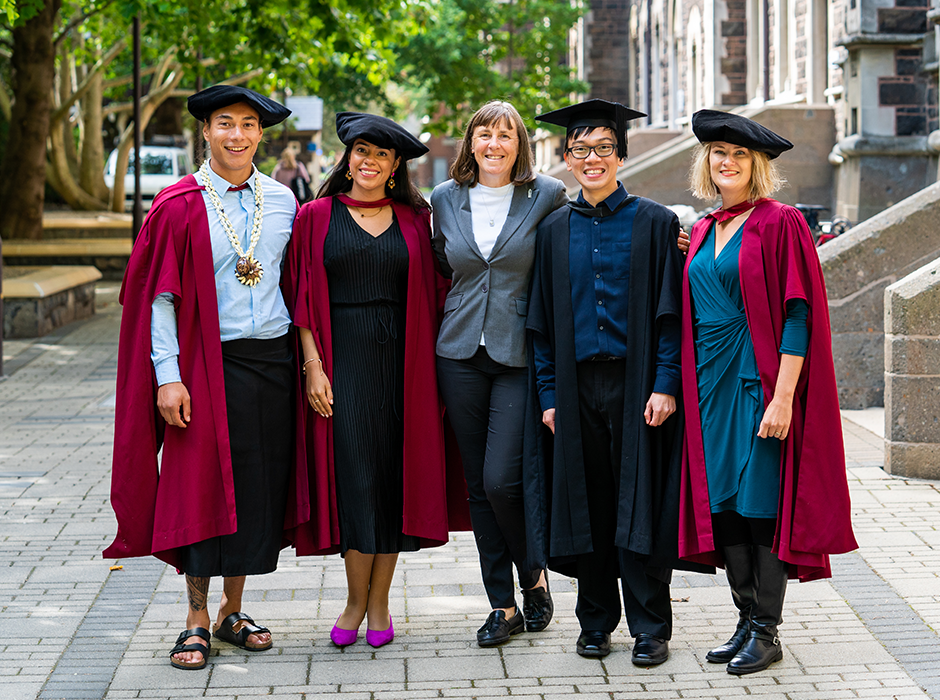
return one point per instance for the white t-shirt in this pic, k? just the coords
(489, 207)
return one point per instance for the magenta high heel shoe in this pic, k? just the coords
(379, 638)
(343, 638)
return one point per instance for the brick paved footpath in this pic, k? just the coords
(71, 628)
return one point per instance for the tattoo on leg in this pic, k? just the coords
(198, 589)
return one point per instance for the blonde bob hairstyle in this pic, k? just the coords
(765, 178)
(465, 170)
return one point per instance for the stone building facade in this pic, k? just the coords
(683, 55)
(873, 63)
(887, 90)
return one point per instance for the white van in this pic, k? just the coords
(160, 166)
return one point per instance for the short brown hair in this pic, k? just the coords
(465, 170)
(765, 178)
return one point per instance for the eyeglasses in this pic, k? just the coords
(602, 151)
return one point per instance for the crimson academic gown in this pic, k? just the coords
(435, 496)
(777, 262)
(191, 496)
(556, 501)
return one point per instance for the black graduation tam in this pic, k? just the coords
(204, 103)
(379, 131)
(595, 113)
(711, 125)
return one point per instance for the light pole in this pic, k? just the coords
(138, 202)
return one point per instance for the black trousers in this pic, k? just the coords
(486, 404)
(645, 589)
(259, 386)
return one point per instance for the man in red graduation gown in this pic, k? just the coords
(604, 315)
(206, 372)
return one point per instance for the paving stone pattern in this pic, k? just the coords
(72, 628)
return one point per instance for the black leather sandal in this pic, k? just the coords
(181, 646)
(226, 632)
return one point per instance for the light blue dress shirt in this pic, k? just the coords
(244, 312)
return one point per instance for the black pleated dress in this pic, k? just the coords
(368, 282)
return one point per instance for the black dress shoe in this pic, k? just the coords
(649, 650)
(537, 608)
(498, 629)
(594, 644)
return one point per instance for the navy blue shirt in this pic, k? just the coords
(599, 268)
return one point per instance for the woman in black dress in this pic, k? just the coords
(368, 231)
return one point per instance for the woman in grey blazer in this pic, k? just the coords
(484, 222)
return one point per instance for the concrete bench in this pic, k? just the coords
(84, 224)
(37, 300)
(109, 255)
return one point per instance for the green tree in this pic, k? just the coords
(68, 66)
(472, 51)
(83, 50)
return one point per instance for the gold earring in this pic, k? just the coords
(391, 182)
(348, 175)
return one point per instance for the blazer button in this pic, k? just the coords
(485, 289)
(486, 266)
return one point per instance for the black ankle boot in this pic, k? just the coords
(762, 646)
(740, 569)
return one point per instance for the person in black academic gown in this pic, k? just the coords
(604, 324)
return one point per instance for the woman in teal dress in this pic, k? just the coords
(741, 440)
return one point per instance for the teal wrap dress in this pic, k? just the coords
(743, 469)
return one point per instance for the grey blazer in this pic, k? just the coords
(489, 295)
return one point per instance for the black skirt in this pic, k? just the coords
(259, 386)
(368, 282)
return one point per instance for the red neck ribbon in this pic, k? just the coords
(350, 202)
(723, 215)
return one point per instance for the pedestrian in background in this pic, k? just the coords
(292, 172)
(484, 225)
(765, 492)
(366, 296)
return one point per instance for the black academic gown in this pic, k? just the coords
(558, 525)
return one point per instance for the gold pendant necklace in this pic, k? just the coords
(248, 269)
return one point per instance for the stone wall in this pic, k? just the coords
(858, 266)
(912, 374)
(890, 106)
(607, 48)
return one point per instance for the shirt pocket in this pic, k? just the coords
(522, 306)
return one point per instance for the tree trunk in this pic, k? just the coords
(22, 188)
(91, 173)
(60, 176)
(66, 87)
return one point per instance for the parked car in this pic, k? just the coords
(160, 166)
